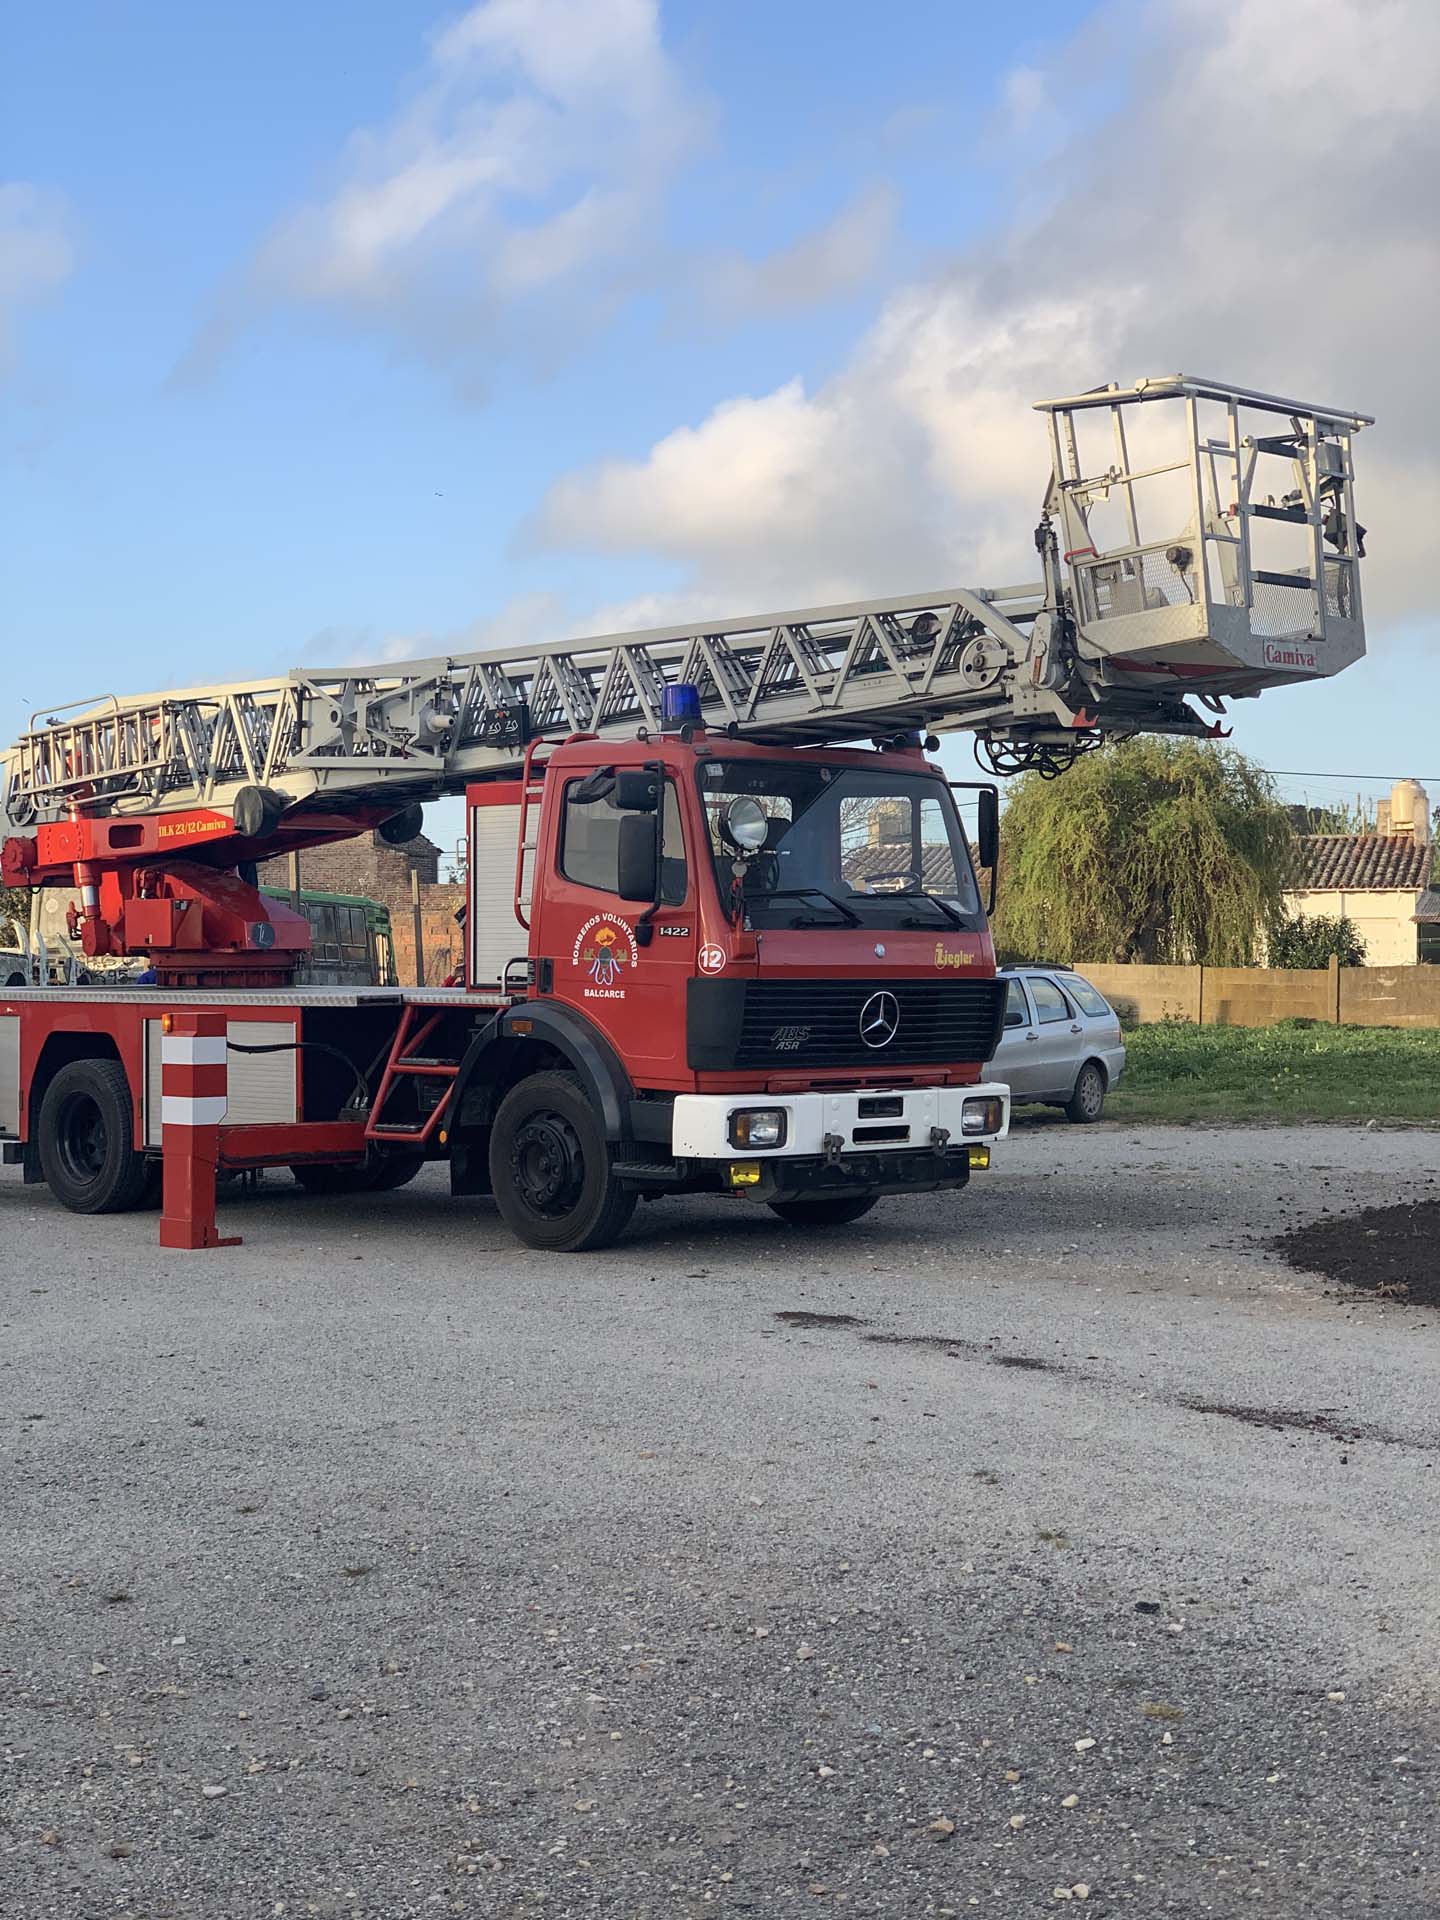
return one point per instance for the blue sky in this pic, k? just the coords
(345, 329)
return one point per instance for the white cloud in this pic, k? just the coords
(525, 620)
(1256, 209)
(1025, 93)
(35, 251)
(835, 259)
(520, 196)
(513, 194)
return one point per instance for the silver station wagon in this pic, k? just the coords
(1061, 1045)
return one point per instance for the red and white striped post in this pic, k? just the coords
(192, 1105)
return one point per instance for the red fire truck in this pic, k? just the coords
(747, 970)
(714, 944)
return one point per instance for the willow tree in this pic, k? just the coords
(1158, 850)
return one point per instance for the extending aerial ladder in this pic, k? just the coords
(1198, 543)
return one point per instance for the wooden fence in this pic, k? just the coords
(1261, 996)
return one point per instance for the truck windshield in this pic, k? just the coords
(843, 846)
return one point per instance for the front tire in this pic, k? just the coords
(836, 1212)
(1087, 1102)
(87, 1139)
(550, 1168)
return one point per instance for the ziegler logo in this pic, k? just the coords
(944, 958)
(1278, 655)
(605, 948)
(789, 1039)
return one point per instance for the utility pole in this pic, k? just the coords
(419, 925)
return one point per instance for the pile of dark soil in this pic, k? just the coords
(1393, 1252)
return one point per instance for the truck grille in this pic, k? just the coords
(779, 1024)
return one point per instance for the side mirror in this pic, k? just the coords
(637, 792)
(638, 847)
(988, 828)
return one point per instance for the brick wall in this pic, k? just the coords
(365, 865)
(362, 865)
(443, 938)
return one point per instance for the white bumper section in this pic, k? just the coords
(870, 1120)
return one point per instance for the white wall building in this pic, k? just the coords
(1378, 881)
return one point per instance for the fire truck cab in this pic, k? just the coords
(770, 970)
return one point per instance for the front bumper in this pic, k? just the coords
(877, 1123)
(854, 1173)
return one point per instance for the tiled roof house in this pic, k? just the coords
(1386, 884)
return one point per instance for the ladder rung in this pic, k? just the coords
(446, 1069)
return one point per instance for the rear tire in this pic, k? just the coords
(394, 1170)
(381, 1174)
(1087, 1102)
(87, 1135)
(550, 1168)
(837, 1212)
(319, 1177)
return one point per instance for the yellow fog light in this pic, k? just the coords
(744, 1173)
(979, 1156)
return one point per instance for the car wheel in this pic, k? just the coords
(1087, 1103)
(551, 1168)
(838, 1211)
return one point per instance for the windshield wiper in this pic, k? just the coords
(930, 899)
(813, 893)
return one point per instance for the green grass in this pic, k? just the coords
(1178, 1072)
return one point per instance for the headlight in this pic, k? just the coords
(747, 823)
(982, 1116)
(758, 1127)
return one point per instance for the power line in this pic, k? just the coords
(1291, 773)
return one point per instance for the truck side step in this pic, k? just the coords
(644, 1173)
(408, 1062)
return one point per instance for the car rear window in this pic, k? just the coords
(1088, 997)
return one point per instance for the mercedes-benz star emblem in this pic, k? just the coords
(879, 1019)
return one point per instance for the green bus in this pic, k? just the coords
(351, 944)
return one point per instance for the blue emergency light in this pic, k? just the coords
(680, 705)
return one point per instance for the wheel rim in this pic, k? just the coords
(81, 1137)
(1092, 1093)
(547, 1163)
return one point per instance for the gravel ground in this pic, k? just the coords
(1067, 1547)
